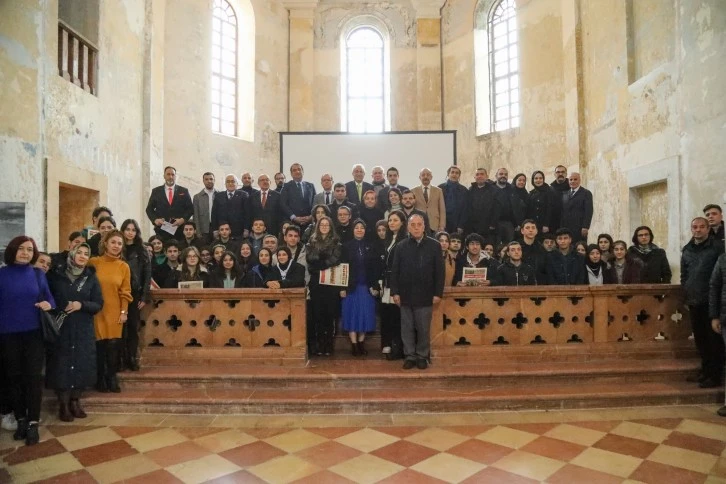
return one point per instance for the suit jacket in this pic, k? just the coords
(577, 212)
(235, 211)
(158, 207)
(319, 198)
(352, 192)
(383, 202)
(434, 208)
(202, 217)
(292, 201)
(270, 214)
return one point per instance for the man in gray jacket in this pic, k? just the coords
(202, 202)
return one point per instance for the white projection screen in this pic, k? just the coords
(336, 153)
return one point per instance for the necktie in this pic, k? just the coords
(302, 190)
(327, 198)
(264, 198)
(572, 193)
(426, 194)
(229, 195)
(170, 195)
(360, 195)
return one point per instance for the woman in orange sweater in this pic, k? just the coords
(114, 276)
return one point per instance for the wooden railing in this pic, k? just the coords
(77, 58)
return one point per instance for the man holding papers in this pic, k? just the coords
(170, 205)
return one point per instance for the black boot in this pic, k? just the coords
(362, 348)
(101, 346)
(76, 409)
(22, 431)
(112, 355)
(354, 349)
(64, 411)
(32, 436)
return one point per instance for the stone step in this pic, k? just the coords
(401, 400)
(361, 373)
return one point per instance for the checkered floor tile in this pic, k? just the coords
(687, 446)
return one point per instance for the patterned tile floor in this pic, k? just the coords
(664, 445)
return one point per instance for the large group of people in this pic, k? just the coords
(402, 247)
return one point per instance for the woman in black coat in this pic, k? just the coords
(286, 273)
(322, 252)
(140, 265)
(391, 343)
(541, 199)
(228, 275)
(656, 269)
(72, 369)
(256, 277)
(370, 214)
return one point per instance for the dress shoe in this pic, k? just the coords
(422, 364)
(362, 349)
(133, 364)
(76, 409)
(64, 413)
(32, 436)
(354, 349)
(22, 431)
(408, 364)
(710, 383)
(112, 384)
(721, 412)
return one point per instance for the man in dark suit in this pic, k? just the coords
(297, 195)
(169, 203)
(392, 174)
(577, 209)
(265, 204)
(355, 189)
(408, 206)
(232, 206)
(247, 184)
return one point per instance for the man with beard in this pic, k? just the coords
(279, 181)
(203, 203)
(561, 186)
(408, 205)
(510, 214)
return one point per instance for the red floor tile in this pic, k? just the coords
(176, 454)
(655, 473)
(694, 442)
(409, 476)
(328, 454)
(192, 433)
(492, 475)
(323, 477)
(570, 474)
(469, 430)
(97, 454)
(554, 448)
(604, 426)
(332, 432)
(400, 432)
(126, 432)
(265, 433)
(157, 477)
(664, 423)
(480, 451)
(626, 445)
(26, 453)
(252, 454)
(404, 453)
(62, 430)
(76, 477)
(533, 428)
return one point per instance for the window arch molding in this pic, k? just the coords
(245, 66)
(497, 89)
(349, 27)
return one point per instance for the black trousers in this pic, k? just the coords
(390, 325)
(325, 302)
(709, 344)
(23, 355)
(5, 406)
(131, 331)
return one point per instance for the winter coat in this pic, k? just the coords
(372, 263)
(541, 201)
(295, 276)
(491, 265)
(483, 209)
(567, 269)
(73, 362)
(140, 265)
(717, 291)
(656, 269)
(511, 275)
(417, 275)
(697, 263)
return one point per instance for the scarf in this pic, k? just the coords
(73, 270)
(646, 249)
(284, 268)
(592, 267)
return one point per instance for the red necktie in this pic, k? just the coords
(171, 195)
(264, 198)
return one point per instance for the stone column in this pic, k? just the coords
(428, 64)
(300, 108)
(575, 131)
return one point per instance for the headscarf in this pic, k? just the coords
(72, 269)
(283, 268)
(593, 266)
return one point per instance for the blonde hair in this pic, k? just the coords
(106, 238)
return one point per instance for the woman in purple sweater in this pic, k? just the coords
(23, 291)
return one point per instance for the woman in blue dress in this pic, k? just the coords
(359, 303)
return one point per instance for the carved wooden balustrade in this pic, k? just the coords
(271, 323)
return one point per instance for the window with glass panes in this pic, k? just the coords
(224, 69)
(504, 66)
(365, 81)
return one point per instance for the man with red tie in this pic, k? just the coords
(265, 204)
(169, 203)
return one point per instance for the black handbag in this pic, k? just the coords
(51, 321)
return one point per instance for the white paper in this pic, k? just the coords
(191, 285)
(169, 228)
(334, 276)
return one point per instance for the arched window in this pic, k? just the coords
(497, 75)
(224, 69)
(365, 84)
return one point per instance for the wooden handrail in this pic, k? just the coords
(77, 35)
(80, 68)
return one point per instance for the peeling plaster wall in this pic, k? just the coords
(189, 144)
(539, 142)
(677, 110)
(84, 138)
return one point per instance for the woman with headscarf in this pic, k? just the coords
(322, 252)
(656, 269)
(541, 199)
(598, 271)
(256, 277)
(370, 214)
(359, 303)
(72, 368)
(285, 273)
(519, 184)
(114, 275)
(449, 261)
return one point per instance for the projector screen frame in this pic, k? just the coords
(328, 133)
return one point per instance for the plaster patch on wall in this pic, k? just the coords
(330, 20)
(17, 52)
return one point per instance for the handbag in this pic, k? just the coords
(51, 321)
